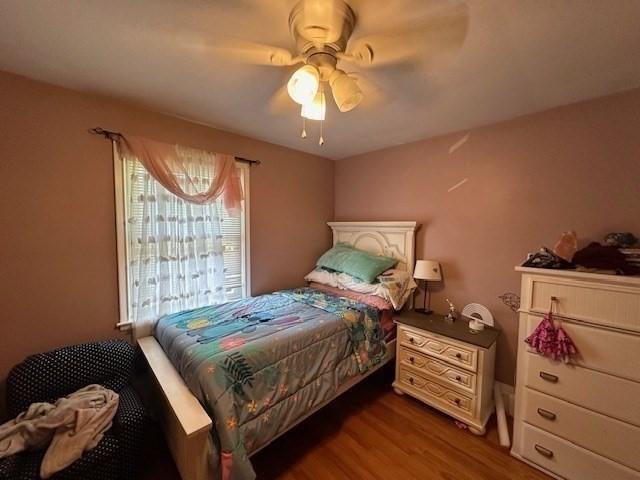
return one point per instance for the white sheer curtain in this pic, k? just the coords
(174, 248)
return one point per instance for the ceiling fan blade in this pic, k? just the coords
(281, 103)
(433, 33)
(242, 51)
(373, 94)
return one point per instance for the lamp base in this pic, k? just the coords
(424, 311)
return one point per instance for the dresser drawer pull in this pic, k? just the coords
(412, 360)
(457, 401)
(458, 378)
(546, 414)
(412, 340)
(458, 355)
(545, 452)
(411, 380)
(548, 377)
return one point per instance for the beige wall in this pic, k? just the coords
(57, 246)
(528, 180)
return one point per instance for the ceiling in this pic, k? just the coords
(459, 64)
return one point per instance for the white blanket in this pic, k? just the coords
(75, 423)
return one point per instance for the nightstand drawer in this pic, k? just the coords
(441, 371)
(435, 392)
(435, 346)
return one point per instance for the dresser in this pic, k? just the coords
(446, 366)
(581, 420)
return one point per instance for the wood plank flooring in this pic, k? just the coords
(372, 433)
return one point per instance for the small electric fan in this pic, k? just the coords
(478, 316)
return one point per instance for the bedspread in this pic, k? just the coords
(260, 364)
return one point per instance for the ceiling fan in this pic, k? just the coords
(322, 32)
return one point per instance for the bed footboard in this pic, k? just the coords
(185, 423)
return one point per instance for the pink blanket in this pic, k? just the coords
(385, 307)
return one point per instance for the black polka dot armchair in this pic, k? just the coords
(48, 376)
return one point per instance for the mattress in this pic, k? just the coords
(259, 365)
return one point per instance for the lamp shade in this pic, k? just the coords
(427, 270)
(303, 84)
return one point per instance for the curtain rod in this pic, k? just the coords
(114, 136)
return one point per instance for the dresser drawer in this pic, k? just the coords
(606, 436)
(604, 304)
(443, 349)
(440, 371)
(436, 393)
(568, 460)
(606, 394)
(600, 349)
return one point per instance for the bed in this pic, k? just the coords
(230, 379)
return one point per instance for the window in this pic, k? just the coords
(174, 255)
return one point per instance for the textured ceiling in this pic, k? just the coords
(444, 65)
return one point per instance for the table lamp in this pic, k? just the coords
(427, 270)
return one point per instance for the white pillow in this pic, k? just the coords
(395, 286)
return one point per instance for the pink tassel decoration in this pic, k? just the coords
(565, 347)
(543, 338)
(550, 341)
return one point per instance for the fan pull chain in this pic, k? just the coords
(304, 129)
(321, 140)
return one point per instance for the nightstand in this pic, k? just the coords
(446, 366)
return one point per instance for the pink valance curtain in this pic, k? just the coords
(165, 163)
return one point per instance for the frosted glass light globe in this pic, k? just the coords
(303, 84)
(316, 109)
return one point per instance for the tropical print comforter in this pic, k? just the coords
(260, 364)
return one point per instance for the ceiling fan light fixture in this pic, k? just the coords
(346, 91)
(303, 84)
(316, 109)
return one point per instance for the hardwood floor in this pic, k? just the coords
(372, 433)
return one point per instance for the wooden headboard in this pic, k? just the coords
(392, 239)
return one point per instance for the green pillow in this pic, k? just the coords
(357, 263)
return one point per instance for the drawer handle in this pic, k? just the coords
(458, 355)
(412, 340)
(412, 360)
(546, 414)
(411, 380)
(548, 377)
(457, 401)
(458, 378)
(545, 452)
